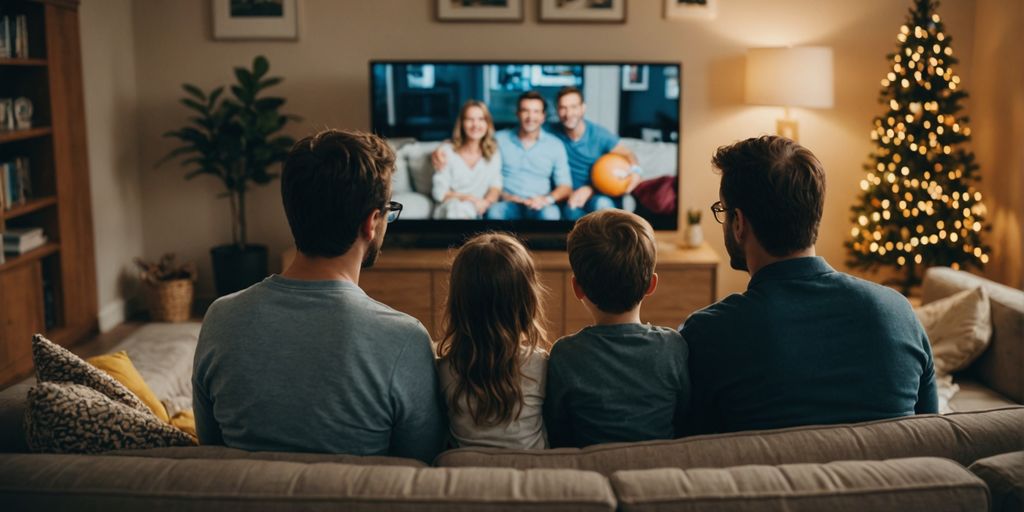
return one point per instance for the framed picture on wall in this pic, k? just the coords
(582, 11)
(684, 9)
(634, 77)
(480, 10)
(255, 19)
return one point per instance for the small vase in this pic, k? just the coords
(694, 235)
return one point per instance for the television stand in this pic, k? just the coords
(415, 281)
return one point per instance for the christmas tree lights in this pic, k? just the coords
(918, 206)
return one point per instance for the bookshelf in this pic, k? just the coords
(51, 288)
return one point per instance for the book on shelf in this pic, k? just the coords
(14, 36)
(15, 182)
(21, 246)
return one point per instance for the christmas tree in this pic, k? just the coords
(918, 207)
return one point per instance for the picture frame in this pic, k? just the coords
(581, 11)
(507, 11)
(691, 9)
(634, 77)
(255, 19)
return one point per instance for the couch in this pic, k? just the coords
(967, 460)
(412, 182)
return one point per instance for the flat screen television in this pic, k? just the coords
(635, 105)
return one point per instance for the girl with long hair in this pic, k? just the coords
(470, 180)
(493, 357)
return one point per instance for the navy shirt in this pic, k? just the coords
(807, 345)
(609, 383)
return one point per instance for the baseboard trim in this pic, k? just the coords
(113, 314)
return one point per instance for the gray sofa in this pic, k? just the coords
(969, 460)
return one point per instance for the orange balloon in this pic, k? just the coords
(611, 174)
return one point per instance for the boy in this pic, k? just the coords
(619, 379)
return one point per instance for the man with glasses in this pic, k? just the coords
(805, 344)
(305, 361)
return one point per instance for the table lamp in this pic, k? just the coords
(799, 76)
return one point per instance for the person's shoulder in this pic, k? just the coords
(867, 292)
(598, 130)
(566, 345)
(715, 317)
(389, 320)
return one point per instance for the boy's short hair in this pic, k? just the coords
(331, 181)
(567, 90)
(612, 254)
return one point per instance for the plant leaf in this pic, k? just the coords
(260, 66)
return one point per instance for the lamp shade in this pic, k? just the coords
(798, 76)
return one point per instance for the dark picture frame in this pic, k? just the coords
(491, 11)
(581, 11)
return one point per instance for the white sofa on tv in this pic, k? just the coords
(412, 182)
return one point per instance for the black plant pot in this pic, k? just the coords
(237, 269)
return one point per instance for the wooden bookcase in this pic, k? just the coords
(55, 283)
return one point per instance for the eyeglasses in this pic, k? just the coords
(719, 210)
(392, 210)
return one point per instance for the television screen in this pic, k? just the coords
(528, 146)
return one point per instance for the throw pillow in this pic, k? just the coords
(959, 328)
(57, 364)
(119, 366)
(71, 418)
(186, 422)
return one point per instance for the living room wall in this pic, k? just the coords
(108, 63)
(326, 83)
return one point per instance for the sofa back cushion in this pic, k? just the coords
(49, 482)
(223, 452)
(963, 437)
(1000, 366)
(902, 485)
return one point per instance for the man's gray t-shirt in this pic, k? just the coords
(316, 366)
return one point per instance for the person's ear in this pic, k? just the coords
(577, 290)
(368, 228)
(653, 286)
(740, 226)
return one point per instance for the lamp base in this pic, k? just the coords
(787, 128)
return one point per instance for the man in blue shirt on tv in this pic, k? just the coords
(534, 166)
(585, 142)
(804, 344)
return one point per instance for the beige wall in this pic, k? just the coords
(997, 105)
(327, 84)
(108, 63)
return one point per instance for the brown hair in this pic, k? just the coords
(488, 146)
(531, 95)
(567, 90)
(493, 310)
(331, 181)
(780, 187)
(609, 243)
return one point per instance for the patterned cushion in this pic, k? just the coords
(71, 418)
(57, 364)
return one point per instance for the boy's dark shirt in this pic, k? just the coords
(806, 345)
(610, 383)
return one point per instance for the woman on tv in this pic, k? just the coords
(470, 180)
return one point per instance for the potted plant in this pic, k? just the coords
(694, 233)
(237, 139)
(168, 288)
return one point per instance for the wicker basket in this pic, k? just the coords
(170, 301)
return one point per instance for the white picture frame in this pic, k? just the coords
(460, 10)
(635, 77)
(231, 22)
(691, 9)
